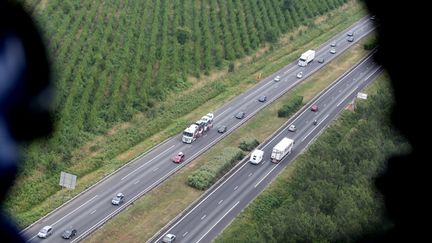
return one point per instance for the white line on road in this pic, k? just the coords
(156, 169)
(185, 233)
(250, 174)
(346, 96)
(74, 210)
(266, 175)
(136, 182)
(93, 211)
(146, 163)
(314, 128)
(218, 221)
(259, 89)
(220, 201)
(229, 108)
(235, 188)
(203, 217)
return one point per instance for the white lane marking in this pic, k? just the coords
(322, 95)
(185, 233)
(136, 182)
(346, 96)
(250, 175)
(266, 175)
(235, 188)
(93, 211)
(223, 112)
(259, 89)
(202, 237)
(314, 128)
(147, 163)
(203, 217)
(67, 215)
(156, 169)
(202, 201)
(220, 201)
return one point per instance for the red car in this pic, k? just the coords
(178, 158)
(314, 108)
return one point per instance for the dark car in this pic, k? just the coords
(69, 233)
(240, 115)
(350, 39)
(118, 199)
(321, 60)
(222, 129)
(262, 98)
(178, 158)
(314, 108)
(350, 33)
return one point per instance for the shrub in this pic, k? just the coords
(249, 144)
(209, 172)
(292, 106)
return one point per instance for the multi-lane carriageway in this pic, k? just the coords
(207, 217)
(92, 208)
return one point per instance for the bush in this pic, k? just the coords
(209, 172)
(249, 144)
(292, 106)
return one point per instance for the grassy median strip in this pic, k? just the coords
(150, 213)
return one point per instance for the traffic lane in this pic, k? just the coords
(304, 123)
(206, 213)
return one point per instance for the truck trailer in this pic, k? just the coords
(282, 149)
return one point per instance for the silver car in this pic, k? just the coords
(118, 199)
(45, 231)
(168, 238)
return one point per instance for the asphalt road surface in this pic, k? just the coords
(92, 208)
(218, 207)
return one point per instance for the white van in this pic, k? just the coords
(256, 156)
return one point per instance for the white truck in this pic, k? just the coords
(282, 149)
(197, 129)
(256, 156)
(306, 58)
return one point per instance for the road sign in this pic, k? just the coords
(362, 96)
(67, 180)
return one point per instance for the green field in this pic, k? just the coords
(126, 70)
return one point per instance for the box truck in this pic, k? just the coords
(282, 149)
(306, 58)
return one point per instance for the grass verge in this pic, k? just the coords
(158, 207)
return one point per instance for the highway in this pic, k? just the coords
(92, 208)
(207, 217)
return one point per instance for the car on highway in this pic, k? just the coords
(118, 199)
(222, 129)
(277, 78)
(333, 50)
(350, 33)
(292, 128)
(262, 98)
(168, 238)
(45, 231)
(350, 39)
(300, 75)
(240, 115)
(314, 108)
(69, 233)
(321, 60)
(333, 44)
(178, 158)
